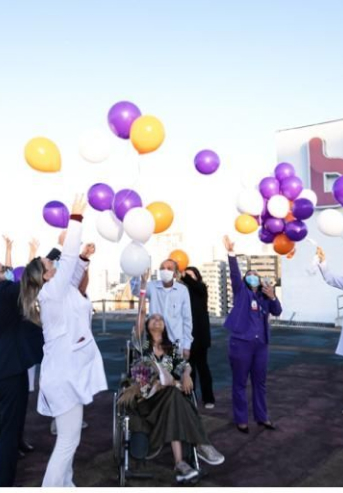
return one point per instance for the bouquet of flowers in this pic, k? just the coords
(143, 383)
(145, 374)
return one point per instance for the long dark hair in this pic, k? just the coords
(196, 272)
(166, 344)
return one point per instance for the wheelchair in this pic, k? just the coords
(130, 446)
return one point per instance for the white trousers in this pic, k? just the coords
(60, 467)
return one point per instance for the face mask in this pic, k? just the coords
(9, 276)
(166, 275)
(56, 264)
(253, 280)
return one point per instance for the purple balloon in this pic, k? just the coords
(274, 225)
(269, 186)
(302, 208)
(284, 170)
(337, 190)
(100, 196)
(291, 187)
(56, 214)
(207, 162)
(125, 200)
(265, 236)
(296, 230)
(121, 116)
(18, 272)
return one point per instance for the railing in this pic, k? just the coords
(107, 306)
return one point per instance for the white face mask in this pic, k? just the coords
(166, 275)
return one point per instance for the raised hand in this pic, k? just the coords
(321, 254)
(33, 248)
(268, 291)
(228, 244)
(79, 205)
(145, 276)
(88, 250)
(8, 241)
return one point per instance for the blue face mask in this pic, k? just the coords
(252, 280)
(9, 276)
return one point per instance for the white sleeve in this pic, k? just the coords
(56, 287)
(187, 322)
(329, 278)
(80, 269)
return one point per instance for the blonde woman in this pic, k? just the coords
(72, 369)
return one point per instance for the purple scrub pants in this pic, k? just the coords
(248, 357)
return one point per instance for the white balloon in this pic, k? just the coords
(309, 194)
(134, 259)
(278, 206)
(109, 226)
(250, 201)
(330, 222)
(95, 145)
(139, 224)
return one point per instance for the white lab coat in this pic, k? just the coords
(71, 372)
(336, 282)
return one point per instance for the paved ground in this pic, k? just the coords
(305, 395)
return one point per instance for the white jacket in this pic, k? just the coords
(71, 371)
(336, 282)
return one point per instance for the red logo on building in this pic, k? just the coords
(324, 171)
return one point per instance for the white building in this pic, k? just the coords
(316, 152)
(215, 278)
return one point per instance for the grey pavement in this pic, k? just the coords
(305, 397)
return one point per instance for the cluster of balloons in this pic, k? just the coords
(280, 206)
(127, 122)
(206, 162)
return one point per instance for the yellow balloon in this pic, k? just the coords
(147, 134)
(163, 215)
(43, 155)
(246, 224)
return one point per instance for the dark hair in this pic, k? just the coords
(166, 345)
(196, 272)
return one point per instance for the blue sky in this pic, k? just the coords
(220, 74)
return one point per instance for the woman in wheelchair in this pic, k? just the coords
(160, 394)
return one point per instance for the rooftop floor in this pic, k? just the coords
(305, 397)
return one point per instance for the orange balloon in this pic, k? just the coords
(181, 258)
(289, 217)
(246, 224)
(291, 254)
(282, 244)
(163, 215)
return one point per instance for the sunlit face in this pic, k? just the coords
(49, 269)
(156, 326)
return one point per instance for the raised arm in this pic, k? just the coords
(235, 274)
(8, 253)
(33, 248)
(140, 321)
(56, 287)
(187, 325)
(329, 278)
(82, 266)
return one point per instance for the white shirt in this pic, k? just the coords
(71, 371)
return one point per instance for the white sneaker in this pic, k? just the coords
(210, 455)
(184, 471)
(209, 405)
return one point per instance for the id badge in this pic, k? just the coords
(254, 305)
